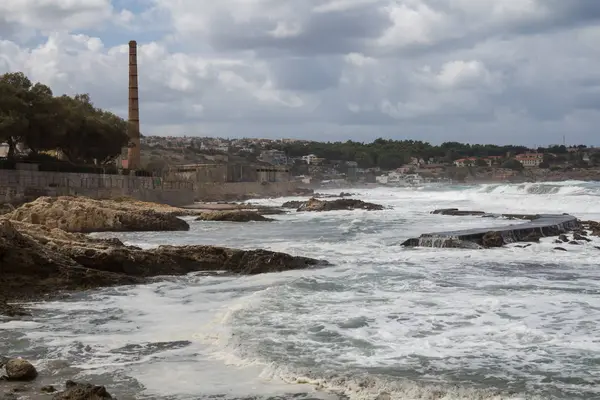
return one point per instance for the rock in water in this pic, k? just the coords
(233, 216)
(18, 369)
(339, 204)
(292, 204)
(492, 239)
(48, 389)
(81, 214)
(579, 236)
(82, 391)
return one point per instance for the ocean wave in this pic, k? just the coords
(361, 386)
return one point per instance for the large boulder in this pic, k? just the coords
(232, 216)
(18, 369)
(81, 214)
(82, 391)
(339, 204)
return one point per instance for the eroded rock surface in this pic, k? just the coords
(81, 214)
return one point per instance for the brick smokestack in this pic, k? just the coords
(133, 127)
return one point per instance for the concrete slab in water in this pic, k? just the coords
(537, 226)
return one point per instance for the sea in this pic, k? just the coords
(383, 322)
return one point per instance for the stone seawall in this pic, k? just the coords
(17, 186)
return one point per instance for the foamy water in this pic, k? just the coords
(510, 323)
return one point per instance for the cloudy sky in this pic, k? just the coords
(485, 71)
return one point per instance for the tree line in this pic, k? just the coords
(33, 117)
(391, 154)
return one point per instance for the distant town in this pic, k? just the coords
(384, 162)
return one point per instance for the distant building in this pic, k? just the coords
(465, 162)
(530, 160)
(312, 159)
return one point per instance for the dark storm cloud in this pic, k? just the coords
(336, 32)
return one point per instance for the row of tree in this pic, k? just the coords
(391, 154)
(31, 116)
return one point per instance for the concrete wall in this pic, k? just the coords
(19, 185)
(234, 190)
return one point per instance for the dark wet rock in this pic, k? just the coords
(444, 210)
(524, 246)
(11, 310)
(457, 212)
(563, 238)
(293, 204)
(592, 226)
(18, 369)
(340, 204)
(37, 261)
(533, 237)
(82, 391)
(492, 239)
(557, 241)
(233, 216)
(560, 249)
(346, 194)
(48, 389)
(575, 243)
(579, 236)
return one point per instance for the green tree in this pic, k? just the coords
(31, 115)
(513, 164)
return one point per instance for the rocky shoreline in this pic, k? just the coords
(44, 253)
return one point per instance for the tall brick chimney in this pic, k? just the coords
(133, 127)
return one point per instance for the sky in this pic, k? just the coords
(480, 71)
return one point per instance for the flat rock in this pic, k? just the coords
(81, 214)
(233, 216)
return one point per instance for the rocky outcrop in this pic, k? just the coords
(81, 214)
(38, 260)
(335, 205)
(82, 391)
(233, 216)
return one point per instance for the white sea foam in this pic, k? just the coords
(415, 323)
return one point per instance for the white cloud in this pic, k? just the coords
(460, 70)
